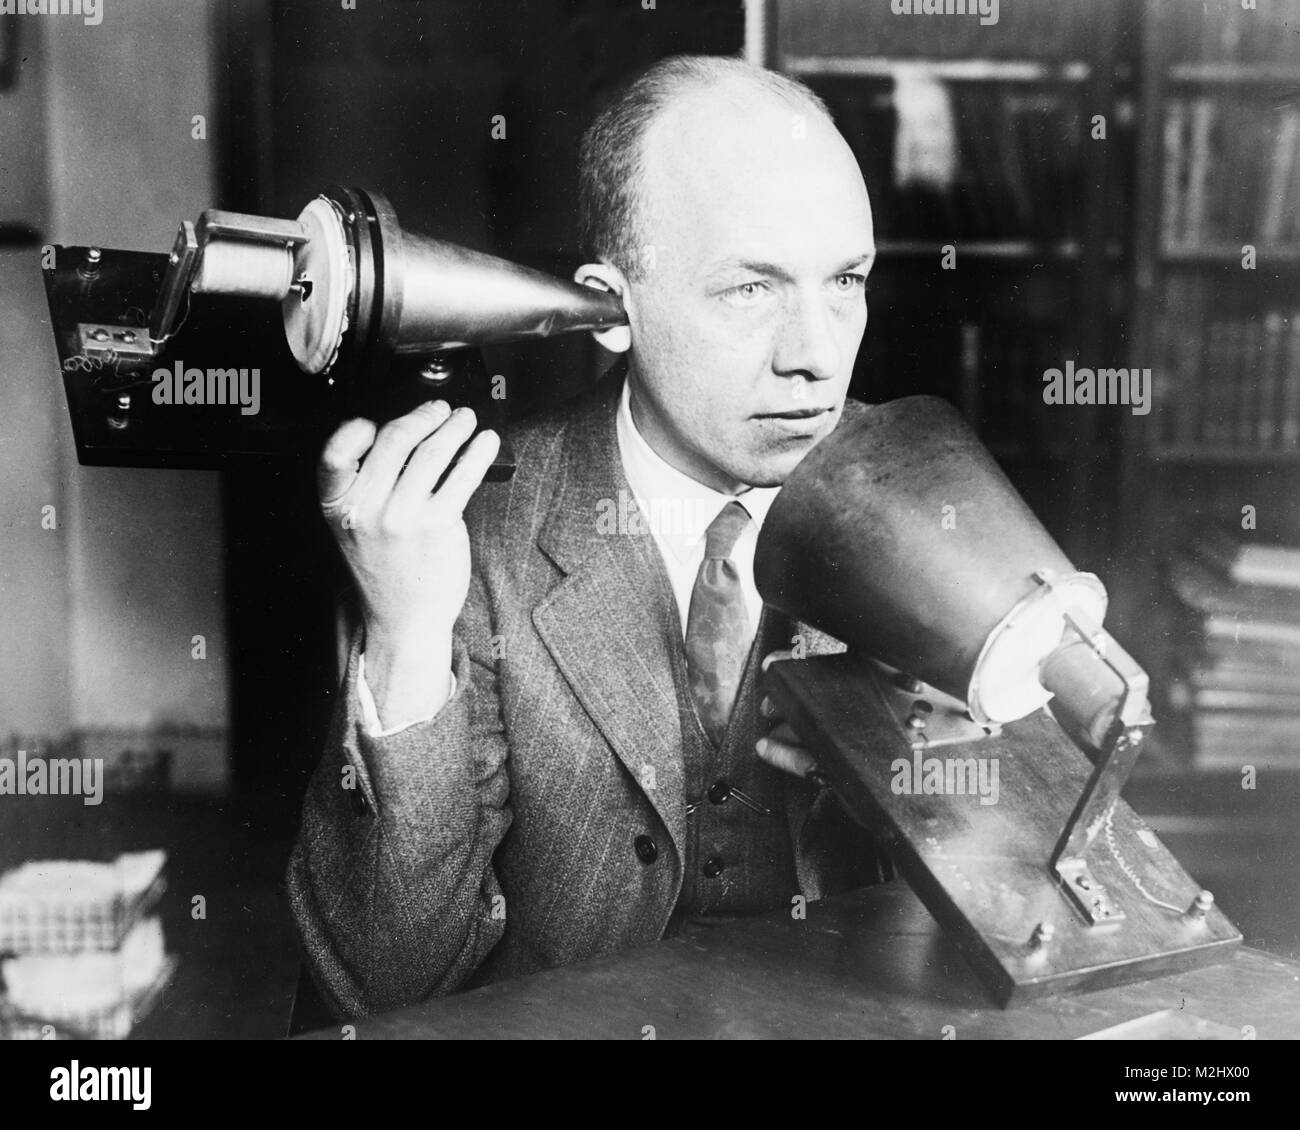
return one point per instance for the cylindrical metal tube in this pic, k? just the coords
(1088, 692)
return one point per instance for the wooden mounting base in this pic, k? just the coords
(980, 862)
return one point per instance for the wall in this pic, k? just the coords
(33, 562)
(135, 569)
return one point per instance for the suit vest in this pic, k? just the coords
(738, 860)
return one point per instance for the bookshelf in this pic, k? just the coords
(1132, 252)
(1216, 258)
(1032, 205)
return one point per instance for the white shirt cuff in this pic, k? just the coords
(370, 712)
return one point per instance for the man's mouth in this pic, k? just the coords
(793, 414)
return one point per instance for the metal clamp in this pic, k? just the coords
(1117, 754)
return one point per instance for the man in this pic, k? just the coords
(552, 741)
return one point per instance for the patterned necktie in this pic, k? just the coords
(717, 626)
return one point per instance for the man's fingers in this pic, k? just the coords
(340, 462)
(431, 459)
(464, 478)
(396, 442)
(780, 750)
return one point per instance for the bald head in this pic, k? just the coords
(741, 169)
(687, 109)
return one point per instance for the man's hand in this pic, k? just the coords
(782, 748)
(406, 543)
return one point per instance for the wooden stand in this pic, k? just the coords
(980, 863)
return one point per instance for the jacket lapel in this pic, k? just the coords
(611, 627)
(609, 624)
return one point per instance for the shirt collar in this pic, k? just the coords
(677, 508)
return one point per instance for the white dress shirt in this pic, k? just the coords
(678, 511)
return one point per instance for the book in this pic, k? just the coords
(1216, 385)
(1255, 131)
(1238, 628)
(1228, 202)
(1222, 31)
(1281, 172)
(1230, 740)
(1187, 695)
(1063, 29)
(1175, 141)
(1202, 127)
(980, 170)
(1223, 652)
(1185, 355)
(1290, 219)
(1199, 673)
(1012, 173)
(1247, 372)
(1243, 562)
(59, 986)
(1289, 419)
(86, 995)
(1223, 602)
(71, 905)
(1271, 378)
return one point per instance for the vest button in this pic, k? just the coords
(719, 792)
(713, 867)
(646, 851)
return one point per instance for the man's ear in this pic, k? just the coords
(603, 276)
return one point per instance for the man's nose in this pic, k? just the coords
(806, 342)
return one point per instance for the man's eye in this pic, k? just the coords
(849, 281)
(746, 293)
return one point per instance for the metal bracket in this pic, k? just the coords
(125, 344)
(180, 270)
(1087, 894)
(1117, 755)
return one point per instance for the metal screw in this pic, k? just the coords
(1043, 933)
(128, 337)
(921, 711)
(100, 335)
(436, 370)
(1200, 906)
(118, 417)
(93, 255)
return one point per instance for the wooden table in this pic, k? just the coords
(872, 965)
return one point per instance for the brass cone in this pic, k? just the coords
(861, 542)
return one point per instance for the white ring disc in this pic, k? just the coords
(314, 325)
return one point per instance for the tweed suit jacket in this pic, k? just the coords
(496, 839)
